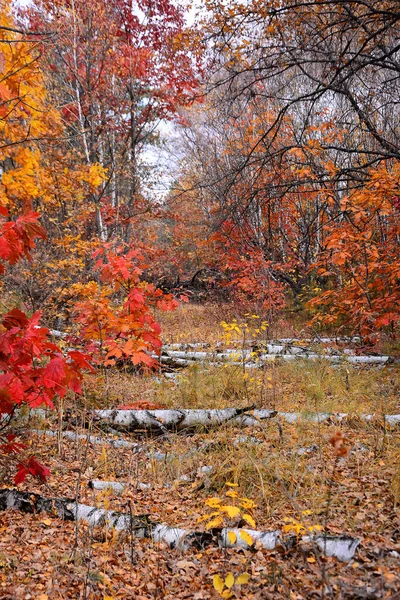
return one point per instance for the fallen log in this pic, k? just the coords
(342, 547)
(179, 355)
(243, 353)
(260, 343)
(72, 435)
(181, 419)
(252, 359)
(189, 419)
(116, 486)
(293, 417)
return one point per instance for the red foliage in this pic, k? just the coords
(32, 467)
(34, 369)
(17, 238)
(118, 314)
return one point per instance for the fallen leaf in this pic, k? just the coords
(218, 583)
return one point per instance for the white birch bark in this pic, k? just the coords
(342, 547)
(178, 420)
(181, 419)
(72, 435)
(239, 357)
(116, 486)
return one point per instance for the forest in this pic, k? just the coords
(200, 299)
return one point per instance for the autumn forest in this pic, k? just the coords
(200, 299)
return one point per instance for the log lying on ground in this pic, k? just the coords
(188, 419)
(293, 417)
(261, 343)
(133, 420)
(138, 448)
(341, 547)
(246, 354)
(177, 355)
(287, 341)
(250, 359)
(183, 419)
(72, 435)
(116, 486)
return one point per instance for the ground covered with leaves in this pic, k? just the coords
(288, 470)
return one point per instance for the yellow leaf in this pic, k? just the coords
(315, 528)
(215, 523)
(232, 484)
(232, 537)
(231, 494)
(243, 578)
(46, 521)
(246, 503)
(311, 559)
(226, 594)
(213, 502)
(218, 583)
(230, 580)
(203, 518)
(231, 511)
(246, 537)
(298, 528)
(249, 519)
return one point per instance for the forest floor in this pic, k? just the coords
(289, 470)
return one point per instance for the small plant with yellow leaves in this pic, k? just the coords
(230, 514)
(224, 586)
(252, 327)
(224, 514)
(301, 527)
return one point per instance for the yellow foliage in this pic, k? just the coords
(246, 537)
(243, 578)
(232, 537)
(231, 511)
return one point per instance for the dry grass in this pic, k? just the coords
(299, 385)
(193, 323)
(264, 461)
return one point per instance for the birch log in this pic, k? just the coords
(182, 419)
(251, 359)
(341, 547)
(188, 419)
(116, 486)
(280, 341)
(72, 435)
(138, 448)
